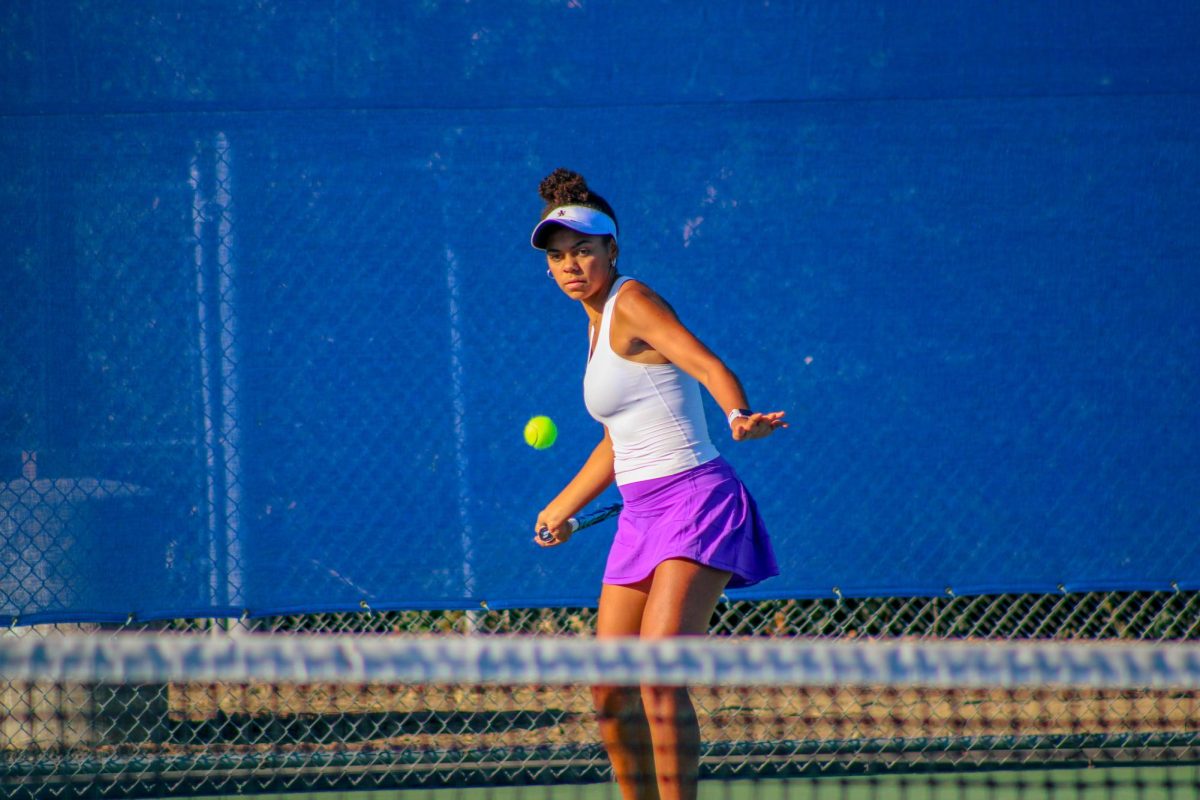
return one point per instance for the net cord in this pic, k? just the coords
(300, 658)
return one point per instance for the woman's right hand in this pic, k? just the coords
(556, 522)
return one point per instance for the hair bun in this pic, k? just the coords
(563, 188)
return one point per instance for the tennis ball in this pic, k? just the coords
(540, 432)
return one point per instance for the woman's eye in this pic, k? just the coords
(583, 252)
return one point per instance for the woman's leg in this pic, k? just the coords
(682, 597)
(623, 726)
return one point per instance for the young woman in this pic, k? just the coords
(689, 528)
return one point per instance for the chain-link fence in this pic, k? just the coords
(212, 432)
(272, 361)
(117, 741)
(214, 404)
(1139, 616)
(271, 329)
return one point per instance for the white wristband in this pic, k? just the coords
(737, 413)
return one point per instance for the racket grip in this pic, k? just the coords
(546, 536)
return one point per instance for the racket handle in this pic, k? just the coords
(546, 536)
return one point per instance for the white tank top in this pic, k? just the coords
(654, 412)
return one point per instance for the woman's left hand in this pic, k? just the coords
(757, 425)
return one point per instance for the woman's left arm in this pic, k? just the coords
(646, 316)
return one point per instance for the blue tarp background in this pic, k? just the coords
(272, 326)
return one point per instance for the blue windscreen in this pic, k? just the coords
(272, 326)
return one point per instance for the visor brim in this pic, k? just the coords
(585, 220)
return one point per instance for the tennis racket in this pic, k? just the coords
(584, 520)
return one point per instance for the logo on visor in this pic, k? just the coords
(562, 212)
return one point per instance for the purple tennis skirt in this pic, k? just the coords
(704, 515)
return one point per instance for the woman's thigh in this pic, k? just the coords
(681, 599)
(621, 609)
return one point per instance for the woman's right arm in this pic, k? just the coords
(593, 477)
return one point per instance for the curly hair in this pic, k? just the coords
(566, 188)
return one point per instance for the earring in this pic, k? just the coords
(549, 274)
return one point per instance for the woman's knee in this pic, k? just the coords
(665, 703)
(616, 702)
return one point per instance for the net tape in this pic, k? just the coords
(300, 658)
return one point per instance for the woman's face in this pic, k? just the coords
(580, 264)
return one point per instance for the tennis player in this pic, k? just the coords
(689, 528)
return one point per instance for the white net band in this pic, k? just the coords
(299, 658)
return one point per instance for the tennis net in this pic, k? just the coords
(145, 715)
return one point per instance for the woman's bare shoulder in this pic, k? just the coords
(634, 297)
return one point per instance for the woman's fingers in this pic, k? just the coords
(758, 425)
(775, 419)
(548, 535)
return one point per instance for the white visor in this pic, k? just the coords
(577, 218)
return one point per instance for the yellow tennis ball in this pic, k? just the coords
(540, 432)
